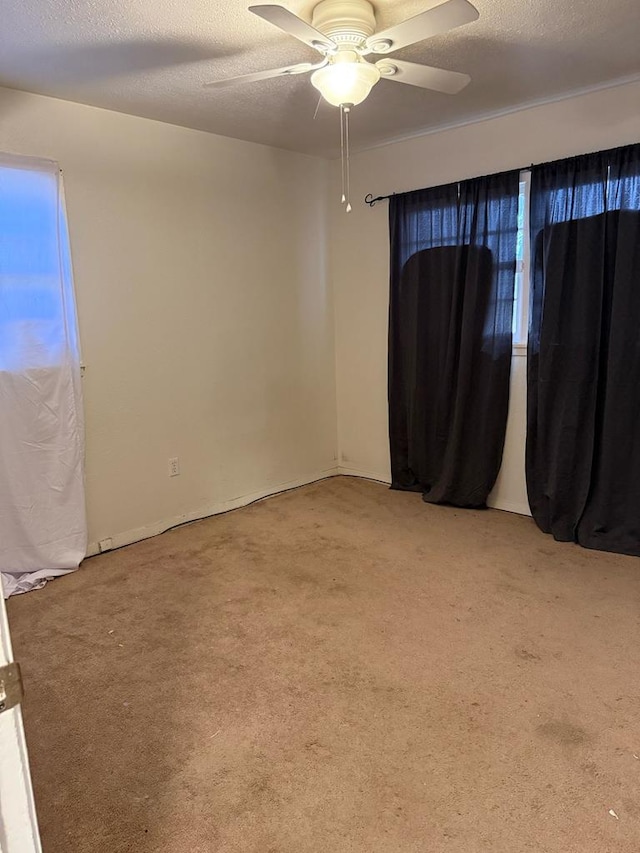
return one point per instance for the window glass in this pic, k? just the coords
(35, 280)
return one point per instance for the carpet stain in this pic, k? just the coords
(525, 654)
(563, 732)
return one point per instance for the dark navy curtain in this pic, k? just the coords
(583, 431)
(453, 257)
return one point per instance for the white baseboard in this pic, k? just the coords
(128, 537)
(366, 475)
(511, 506)
(507, 506)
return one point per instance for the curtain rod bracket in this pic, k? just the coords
(371, 201)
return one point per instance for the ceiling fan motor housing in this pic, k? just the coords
(348, 23)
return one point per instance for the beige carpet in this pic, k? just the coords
(340, 669)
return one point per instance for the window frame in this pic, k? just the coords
(523, 269)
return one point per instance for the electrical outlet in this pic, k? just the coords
(174, 467)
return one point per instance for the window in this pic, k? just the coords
(442, 225)
(37, 312)
(523, 255)
(42, 512)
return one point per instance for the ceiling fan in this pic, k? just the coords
(344, 32)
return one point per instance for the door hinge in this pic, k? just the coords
(11, 689)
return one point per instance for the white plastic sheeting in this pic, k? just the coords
(43, 530)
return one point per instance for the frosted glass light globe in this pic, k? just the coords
(345, 81)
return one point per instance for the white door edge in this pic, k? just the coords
(18, 821)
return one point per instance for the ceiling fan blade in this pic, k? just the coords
(425, 76)
(439, 19)
(289, 70)
(294, 26)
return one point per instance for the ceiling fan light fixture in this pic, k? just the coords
(345, 81)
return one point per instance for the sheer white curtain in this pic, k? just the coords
(43, 530)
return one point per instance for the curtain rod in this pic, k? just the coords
(371, 201)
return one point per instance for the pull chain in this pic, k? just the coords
(347, 110)
(343, 199)
(345, 156)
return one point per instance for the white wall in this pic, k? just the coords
(205, 302)
(205, 317)
(360, 255)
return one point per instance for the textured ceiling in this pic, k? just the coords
(151, 57)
